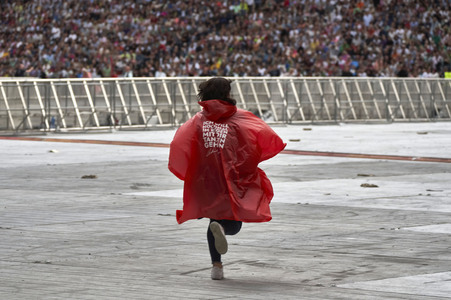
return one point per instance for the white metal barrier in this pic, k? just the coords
(82, 104)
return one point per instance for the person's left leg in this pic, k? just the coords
(217, 242)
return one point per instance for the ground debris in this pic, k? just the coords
(137, 186)
(46, 262)
(365, 175)
(165, 215)
(369, 185)
(89, 177)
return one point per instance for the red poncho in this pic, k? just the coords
(217, 153)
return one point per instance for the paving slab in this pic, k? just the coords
(342, 228)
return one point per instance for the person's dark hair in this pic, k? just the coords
(216, 88)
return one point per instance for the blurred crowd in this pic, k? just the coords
(124, 38)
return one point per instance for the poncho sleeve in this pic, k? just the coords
(269, 142)
(180, 149)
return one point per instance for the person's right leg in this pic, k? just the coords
(231, 227)
(215, 235)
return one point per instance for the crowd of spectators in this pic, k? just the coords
(119, 38)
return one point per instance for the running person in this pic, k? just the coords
(216, 153)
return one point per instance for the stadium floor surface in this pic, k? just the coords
(96, 220)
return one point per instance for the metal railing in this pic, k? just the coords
(83, 104)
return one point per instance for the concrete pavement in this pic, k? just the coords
(342, 228)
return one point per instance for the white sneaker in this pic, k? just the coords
(217, 273)
(220, 238)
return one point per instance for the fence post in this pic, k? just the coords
(47, 106)
(337, 99)
(285, 103)
(387, 102)
(434, 111)
(174, 102)
(113, 104)
(27, 86)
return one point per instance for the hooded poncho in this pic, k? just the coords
(216, 153)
